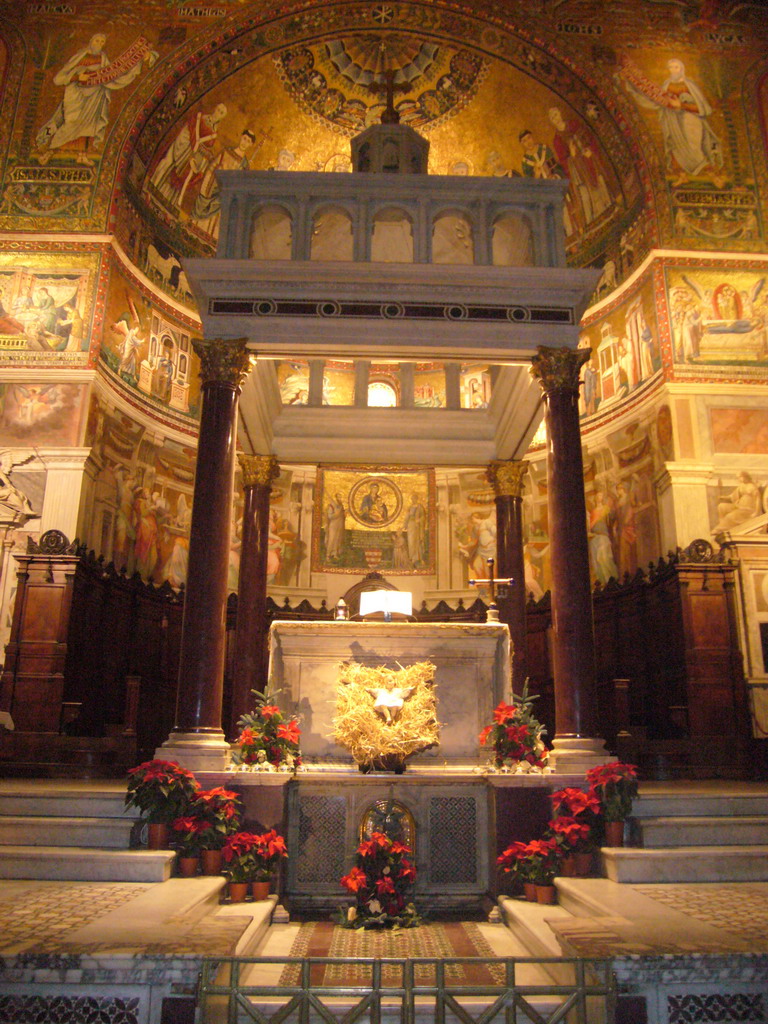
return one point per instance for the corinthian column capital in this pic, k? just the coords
(507, 477)
(258, 469)
(222, 361)
(558, 369)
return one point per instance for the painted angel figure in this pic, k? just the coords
(129, 328)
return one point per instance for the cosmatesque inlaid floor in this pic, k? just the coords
(49, 917)
(38, 915)
(741, 909)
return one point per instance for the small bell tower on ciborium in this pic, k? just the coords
(389, 147)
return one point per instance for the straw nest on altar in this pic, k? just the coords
(385, 715)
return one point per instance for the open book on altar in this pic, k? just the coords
(388, 602)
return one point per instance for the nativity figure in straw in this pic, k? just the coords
(385, 715)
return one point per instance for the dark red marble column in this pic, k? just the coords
(507, 481)
(197, 740)
(576, 744)
(250, 660)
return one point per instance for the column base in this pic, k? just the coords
(199, 752)
(573, 755)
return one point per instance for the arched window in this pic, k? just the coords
(392, 240)
(382, 394)
(452, 240)
(512, 242)
(271, 234)
(331, 235)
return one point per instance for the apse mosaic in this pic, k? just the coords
(527, 130)
(80, 79)
(491, 101)
(374, 520)
(718, 315)
(342, 82)
(687, 98)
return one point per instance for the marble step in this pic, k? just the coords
(40, 798)
(109, 833)
(748, 800)
(530, 924)
(606, 916)
(85, 864)
(744, 830)
(686, 864)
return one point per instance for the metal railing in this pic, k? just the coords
(345, 990)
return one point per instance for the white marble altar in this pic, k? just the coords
(472, 674)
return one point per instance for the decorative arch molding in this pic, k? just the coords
(754, 101)
(13, 61)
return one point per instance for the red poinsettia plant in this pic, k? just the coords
(541, 861)
(188, 835)
(571, 835)
(219, 811)
(267, 736)
(516, 735)
(381, 881)
(160, 790)
(515, 863)
(251, 856)
(615, 786)
(576, 823)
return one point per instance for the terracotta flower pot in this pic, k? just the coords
(530, 891)
(211, 861)
(188, 866)
(568, 866)
(614, 833)
(238, 891)
(157, 836)
(546, 894)
(260, 890)
(582, 863)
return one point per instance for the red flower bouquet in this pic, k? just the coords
(576, 823)
(537, 861)
(572, 836)
(188, 831)
(160, 790)
(516, 735)
(380, 881)
(219, 812)
(515, 863)
(252, 857)
(615, 786)
(267, 737)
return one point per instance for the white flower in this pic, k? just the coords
(374, 906)
(385, 871)
(351, 913)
